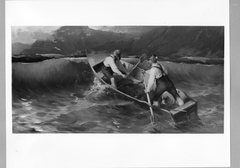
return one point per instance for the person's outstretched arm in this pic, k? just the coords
(121, 67)
(113, 66)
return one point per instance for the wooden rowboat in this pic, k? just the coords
(132, 88)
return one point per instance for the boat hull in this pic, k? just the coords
(133, 89)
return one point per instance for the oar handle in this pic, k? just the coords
(141, 59)
(133, 68)
(149, 103)
(151, 110)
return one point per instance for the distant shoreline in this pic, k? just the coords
(188, 60)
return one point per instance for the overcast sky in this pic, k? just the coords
(47, 29)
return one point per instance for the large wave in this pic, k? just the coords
(63, 95)
(195, 73)
(59, 73)
(51, 73)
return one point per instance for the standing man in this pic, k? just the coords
(159, 74)
(112, 64)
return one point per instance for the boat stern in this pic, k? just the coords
(186, 112)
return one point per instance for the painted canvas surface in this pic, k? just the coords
(55, 91)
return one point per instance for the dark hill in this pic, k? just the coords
(18, 47)
(175, 41)
(70, 39)
(165, 41)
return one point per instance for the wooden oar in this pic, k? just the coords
(141, 59)
(149, 103)
(151, 110)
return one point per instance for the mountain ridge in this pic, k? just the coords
(165, 41)
(176, 41)
(69, 39)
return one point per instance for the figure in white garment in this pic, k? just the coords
(112, 64)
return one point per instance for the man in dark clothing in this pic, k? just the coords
(158, 75)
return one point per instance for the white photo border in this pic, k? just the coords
(122, 150)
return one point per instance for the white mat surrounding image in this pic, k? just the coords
(60, 99)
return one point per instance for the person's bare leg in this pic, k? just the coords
(113, 83)
(174, 93)
(157, 102)
(180, 101)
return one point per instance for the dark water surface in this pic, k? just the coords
(63, 96)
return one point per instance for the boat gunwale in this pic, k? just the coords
(96, 74)
(133, 98)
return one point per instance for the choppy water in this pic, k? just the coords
(63, 96)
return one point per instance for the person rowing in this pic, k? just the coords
(112, 64)
(159, 75)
